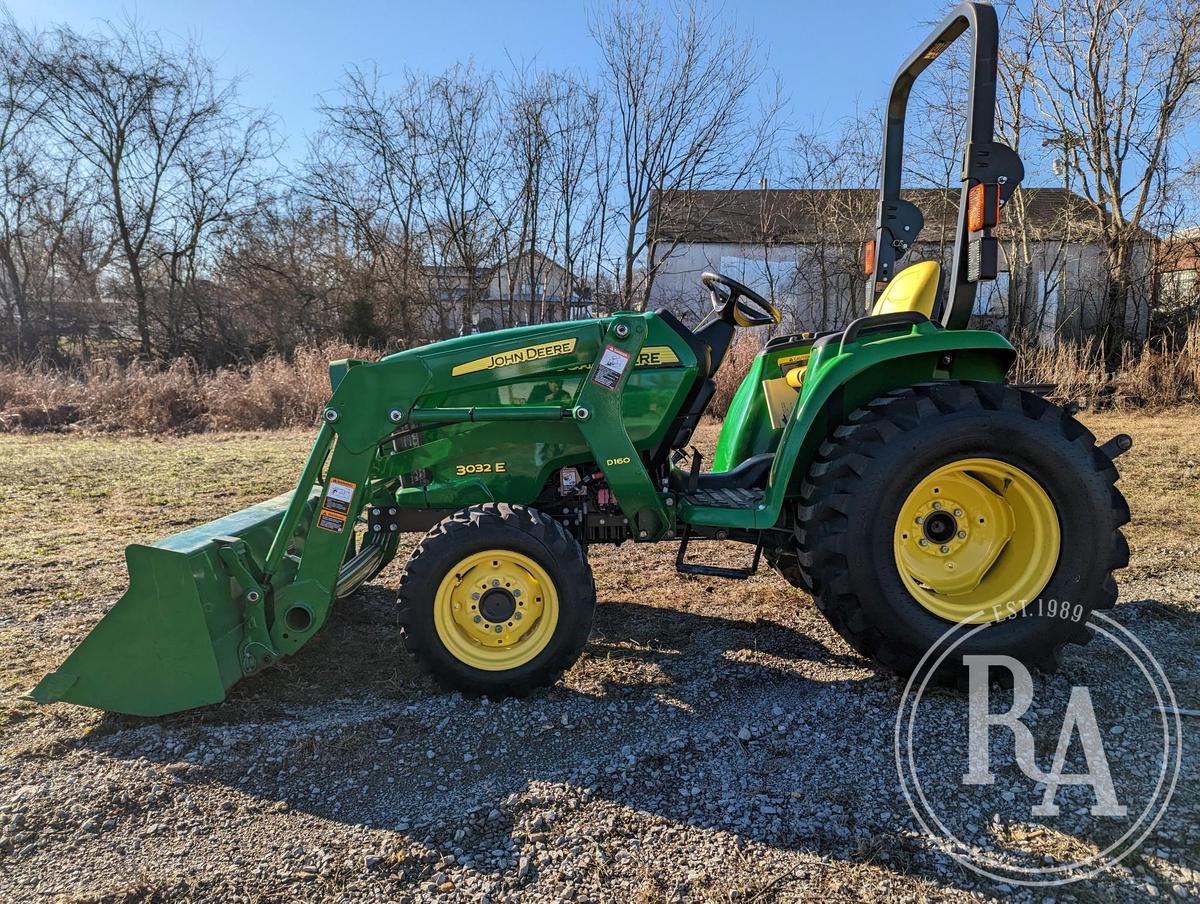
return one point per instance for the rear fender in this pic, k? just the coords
(845, 379)
(841, 379)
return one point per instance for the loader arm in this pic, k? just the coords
(225, 600)
(370, 402)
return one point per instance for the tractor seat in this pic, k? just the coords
(912, 289)
(750, 474)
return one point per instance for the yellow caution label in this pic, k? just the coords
(792, 359)
(522, 355)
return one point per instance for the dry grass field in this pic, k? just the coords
(343, 774)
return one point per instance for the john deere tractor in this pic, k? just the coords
(886, 468)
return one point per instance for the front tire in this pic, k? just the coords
(497, 599)
(962, 504)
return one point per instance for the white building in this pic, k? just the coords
(802, 249)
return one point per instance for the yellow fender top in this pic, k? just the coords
(912, 289)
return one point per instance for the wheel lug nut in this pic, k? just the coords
(478, 619)
(938, 506)
(958, 513)
(474, 596)
(517, 616)
(499, 629)
(923, 542)
(920, 519)
(945, 549)
(962, 535)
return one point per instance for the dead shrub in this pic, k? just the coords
(105, 396)
(1159, 375)
(729, 377)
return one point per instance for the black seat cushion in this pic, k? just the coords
(750, 474)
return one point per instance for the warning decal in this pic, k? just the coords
(336, 505)
(331, 521)
(609, 368)
(338, 495)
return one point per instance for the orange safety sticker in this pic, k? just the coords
(335, 506)
(331, 521)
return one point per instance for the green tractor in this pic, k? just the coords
(886, 468)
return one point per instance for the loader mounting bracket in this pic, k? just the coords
(598, 414)
(256, 650)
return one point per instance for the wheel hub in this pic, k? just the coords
(976, 540)
(940, 527)
(497, 605)
(496, 609)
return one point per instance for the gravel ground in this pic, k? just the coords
(717, 742)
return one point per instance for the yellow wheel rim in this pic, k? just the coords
(496, 610)
(976, 540)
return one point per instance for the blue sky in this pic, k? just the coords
(831, 57)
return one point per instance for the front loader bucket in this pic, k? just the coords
(171, 642)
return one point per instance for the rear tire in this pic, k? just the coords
(869, 471)
(497, 599)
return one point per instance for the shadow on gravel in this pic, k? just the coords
(682, 718)
(350, 731)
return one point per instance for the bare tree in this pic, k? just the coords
(1115, 79)
(368, 168)
(832, 168)
(130, 108)
(682, 86)
(280, 266)
(527, 132)
(465, 214)
(575, 122)
(20, 182)
(50, 248)
(217, 182)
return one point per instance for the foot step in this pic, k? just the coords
(715, 571)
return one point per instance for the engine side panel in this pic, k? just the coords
(454, 465)
(753, 424)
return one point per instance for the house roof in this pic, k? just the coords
(1180, 251)
(489, 269)
(811, 216)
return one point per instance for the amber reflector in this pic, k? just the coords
(983, 207)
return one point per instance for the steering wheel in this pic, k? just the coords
(738, 304)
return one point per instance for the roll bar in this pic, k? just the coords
(985, 161)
